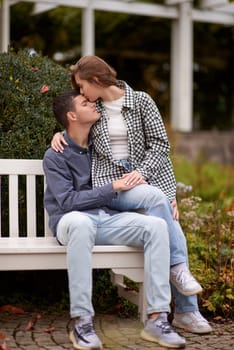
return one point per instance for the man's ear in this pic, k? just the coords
(71, 116)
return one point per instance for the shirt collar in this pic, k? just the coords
(128, 96)
(75, 145)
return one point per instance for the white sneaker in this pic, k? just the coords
(192, 322)
(184, 282)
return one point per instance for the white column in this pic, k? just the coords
(182, 69)
(4, 25)
(88, 40)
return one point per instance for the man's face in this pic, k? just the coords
(85, 110)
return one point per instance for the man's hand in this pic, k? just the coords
(175, 213)
(58, 141)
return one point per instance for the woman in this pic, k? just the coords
(130, 140)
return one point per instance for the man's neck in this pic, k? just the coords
(81, 136)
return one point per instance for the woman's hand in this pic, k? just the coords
(134, 178)
(175, 213)
(58, 141)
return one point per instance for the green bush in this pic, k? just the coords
(28, 83)
(207, 217)
(209, 228)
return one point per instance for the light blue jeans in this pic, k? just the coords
(80, 231)
(155, 203)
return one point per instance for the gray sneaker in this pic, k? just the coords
(160, 331)
(83, 336)
(184, 282)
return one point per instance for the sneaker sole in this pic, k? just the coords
(192, 330)
(79, 347)
(146, 336)
(189, 293)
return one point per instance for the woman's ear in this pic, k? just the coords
(96, 80)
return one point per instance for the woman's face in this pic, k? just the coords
(91, 91)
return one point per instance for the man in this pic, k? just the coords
(80, 217)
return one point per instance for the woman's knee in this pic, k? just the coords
(153, 194)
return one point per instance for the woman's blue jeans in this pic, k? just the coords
(155, 203)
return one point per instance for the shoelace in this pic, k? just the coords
(199, 316)
(84, 329)
(165, 326)
(183, 276)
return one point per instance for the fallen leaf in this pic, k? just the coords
(11, 309)
(32, 323)
(49, 330)
(30, 326)
(4, 346)
(218, 319)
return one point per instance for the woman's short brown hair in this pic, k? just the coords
(91, 67)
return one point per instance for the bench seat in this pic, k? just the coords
(44, 253)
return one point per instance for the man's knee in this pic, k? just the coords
(157, 226)
(75, 225)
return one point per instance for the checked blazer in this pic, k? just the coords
(148, 144)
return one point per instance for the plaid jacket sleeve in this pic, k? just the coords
(153, 159)
(156, 146)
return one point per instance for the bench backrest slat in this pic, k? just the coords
(13, 206)
(31, 205)
(29, 169)
(46, 217)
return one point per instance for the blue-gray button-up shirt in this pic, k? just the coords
(69, 186)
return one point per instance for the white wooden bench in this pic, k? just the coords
(28, 244)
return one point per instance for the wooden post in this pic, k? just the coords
(182, 69)
(4, 25)
(88, 35)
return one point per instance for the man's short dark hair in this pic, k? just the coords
(62, 104)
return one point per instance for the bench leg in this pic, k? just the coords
(142, 306)
(137, 298)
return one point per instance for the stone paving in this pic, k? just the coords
(49, 331)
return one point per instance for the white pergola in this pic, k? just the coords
(182, 14)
